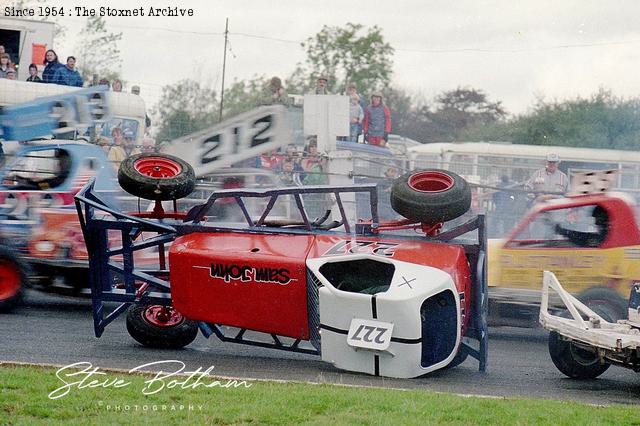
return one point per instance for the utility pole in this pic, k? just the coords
(224, 66)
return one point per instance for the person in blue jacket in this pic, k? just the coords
(67, 75)
(51, 65)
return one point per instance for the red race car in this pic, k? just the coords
(397, 299)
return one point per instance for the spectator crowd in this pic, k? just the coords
(372, 120)
(54, 72)
(294, 167)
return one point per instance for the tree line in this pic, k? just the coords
(356, 54)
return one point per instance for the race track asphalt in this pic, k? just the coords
(59, 330)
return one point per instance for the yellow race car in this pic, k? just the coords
(590, 242)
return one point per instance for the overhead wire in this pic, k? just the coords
(399, 49)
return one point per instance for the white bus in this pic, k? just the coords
(486, 162)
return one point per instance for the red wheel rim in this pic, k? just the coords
(162, 316)
(430, 182)
(10, 280)
(157, 167)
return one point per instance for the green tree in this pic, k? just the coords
(599, 121)
(345, 54)
(97, 51)
(459, 109)
(185, 107)
(451, 116)
(401, 104)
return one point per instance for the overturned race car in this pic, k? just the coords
(395, 299)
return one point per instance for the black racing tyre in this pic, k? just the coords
(430, 196)
(576, 361)
(605, 302)
(13, 278)
(158, 177)
(156, 326)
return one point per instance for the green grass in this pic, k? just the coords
(24, 401)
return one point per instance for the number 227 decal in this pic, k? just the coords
(379, 248)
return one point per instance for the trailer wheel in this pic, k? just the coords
(158, 326)
(430, 196)
(13, 279)
(158, 177)
(576, 361)
(573, 361)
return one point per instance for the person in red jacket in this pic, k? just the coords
(376, 125)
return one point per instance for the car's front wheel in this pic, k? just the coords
(158, 326)
(13, 279)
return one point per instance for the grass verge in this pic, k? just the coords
(24, 400)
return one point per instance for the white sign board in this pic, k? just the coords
(327, 117)
(369, 334)
(236, 139)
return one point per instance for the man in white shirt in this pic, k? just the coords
(550, 179)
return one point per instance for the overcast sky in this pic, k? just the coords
(514, 51)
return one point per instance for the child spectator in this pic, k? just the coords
(117, 153)
(376, 125)
(104, 82)
(51, 65)
(129, 143)
(314, 164)
(288, 175)
(33, 74)
(3, 51)
(117, 86)
(355, 118)
(352, 89)
(292, 152)
(67, 75)
(5, 65)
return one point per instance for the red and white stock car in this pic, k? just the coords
(397, 299)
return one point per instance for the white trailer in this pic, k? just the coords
(582, 343)
(26, 42)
